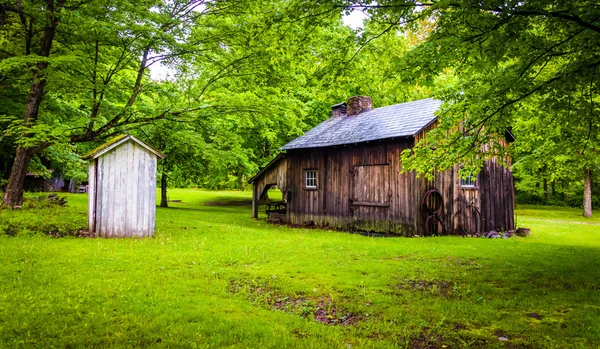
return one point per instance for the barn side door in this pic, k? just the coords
(370, 203)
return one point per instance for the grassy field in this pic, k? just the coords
(214, 277)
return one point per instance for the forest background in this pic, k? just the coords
(246, 77)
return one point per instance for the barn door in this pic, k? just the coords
(371, 197)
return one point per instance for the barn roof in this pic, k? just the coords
(115, 142)
(398, 120)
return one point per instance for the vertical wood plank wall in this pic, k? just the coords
(92, 195)
(123, 199)
(343, 186)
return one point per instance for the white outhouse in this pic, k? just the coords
(122, 188)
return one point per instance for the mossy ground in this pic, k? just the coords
(214, 277)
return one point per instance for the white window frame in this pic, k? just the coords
(470, 182)
(310, 179)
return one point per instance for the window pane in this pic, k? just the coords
(468, 182)
(310, 179)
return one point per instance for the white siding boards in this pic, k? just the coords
(122, 189)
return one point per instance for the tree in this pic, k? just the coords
(491, 60)
(564, 153)
(372, 69)
(236, 57)
(183, 147)
(269, 82)
(182, 141)
(293, 61)
(86, 78)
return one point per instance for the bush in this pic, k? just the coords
(42, 217)
(45, 201)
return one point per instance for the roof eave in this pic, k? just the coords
(424, 127)
(104, 150)
(268, 166)
(352, 143)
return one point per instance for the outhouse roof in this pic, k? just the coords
(117, 141)
(398, 120)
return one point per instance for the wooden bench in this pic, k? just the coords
(278, 207)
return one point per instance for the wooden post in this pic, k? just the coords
(255, 199)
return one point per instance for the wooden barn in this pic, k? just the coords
(122, 188)
(345, 173)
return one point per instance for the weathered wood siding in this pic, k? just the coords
(275, 175)
(488, 206)
(93, 164)
(122, 196)
(497, 197)
(360, 187)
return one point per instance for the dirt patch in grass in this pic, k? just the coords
(404, 257)
(427, 338)
(79, 233)
(467, 263)
(321, 309)
(442, 288)
(424, 341)
(458, 327)
(229, 202)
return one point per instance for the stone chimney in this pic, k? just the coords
(339, 110)
(359, 104)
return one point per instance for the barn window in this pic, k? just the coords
(310, 179)
(468, 182)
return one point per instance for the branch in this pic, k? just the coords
(592, 116)
(103, 132)
(548, 51)
(221, 73)
(549, 14)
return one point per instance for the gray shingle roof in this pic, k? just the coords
(399, 120)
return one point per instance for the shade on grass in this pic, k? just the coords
(214, 277)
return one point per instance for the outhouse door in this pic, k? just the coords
(371, 193)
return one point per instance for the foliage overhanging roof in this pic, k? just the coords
(394, 121)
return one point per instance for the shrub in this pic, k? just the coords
(45, 201)
(42, 217)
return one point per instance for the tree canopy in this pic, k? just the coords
(527, 65)
(250, 76)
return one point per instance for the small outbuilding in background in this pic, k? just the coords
(122, 188)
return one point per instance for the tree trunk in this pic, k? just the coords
(587, 193)
(545, 190)
(14, 188)
(163, 190)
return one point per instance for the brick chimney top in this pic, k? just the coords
(339, 110)
(359, 104)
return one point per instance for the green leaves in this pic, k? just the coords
(32, 135)
(527, 64)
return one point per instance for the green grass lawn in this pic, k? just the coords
(214, 277)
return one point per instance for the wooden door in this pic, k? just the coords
(371, 197)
